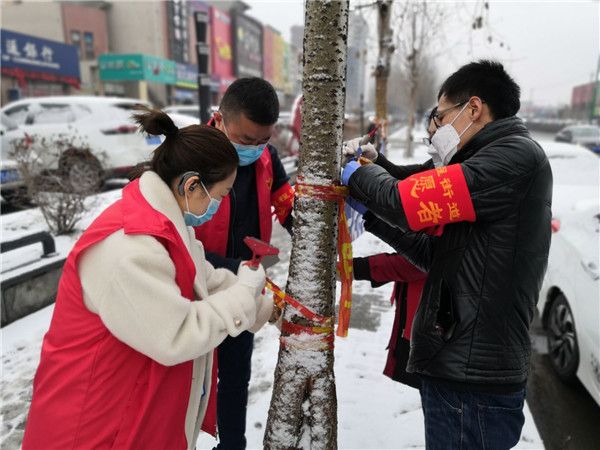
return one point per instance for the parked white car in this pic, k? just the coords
(187, 110)
(569, 302)
(11, 183)
(86, 139)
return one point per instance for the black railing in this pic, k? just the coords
(43, 236)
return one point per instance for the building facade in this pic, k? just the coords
(160, 36)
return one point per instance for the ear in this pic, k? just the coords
(475, 108)
(188, 182)
(218, 117)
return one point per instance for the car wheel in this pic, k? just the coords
(83, 173)
(562, 339)
(17, 197)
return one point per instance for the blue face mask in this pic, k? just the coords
(191, 220)
(247, 153)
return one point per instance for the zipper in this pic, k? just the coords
(233, 204)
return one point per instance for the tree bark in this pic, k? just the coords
(413, 70)
(382, 68)
(303, 411)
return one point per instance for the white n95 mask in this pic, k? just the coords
(445, 142)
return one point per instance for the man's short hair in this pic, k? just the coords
(254, 97)
(487, 80)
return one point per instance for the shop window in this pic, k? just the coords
(89, 45)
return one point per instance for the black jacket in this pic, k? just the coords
(471, 328)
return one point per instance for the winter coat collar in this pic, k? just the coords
(160, 197)
(491, 132)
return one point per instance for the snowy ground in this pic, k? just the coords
(373, 411)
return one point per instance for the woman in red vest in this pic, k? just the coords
(127, 360)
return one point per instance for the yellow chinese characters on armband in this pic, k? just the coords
(435, 197)
(283, 201)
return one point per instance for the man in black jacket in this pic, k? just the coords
(490, 185)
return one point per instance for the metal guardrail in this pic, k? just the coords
(27, 291)
(43, 236)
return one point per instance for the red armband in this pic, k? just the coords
(283, 202)
(436, 197)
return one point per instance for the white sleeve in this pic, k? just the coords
(129, 281)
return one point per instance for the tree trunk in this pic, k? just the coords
(382, 69)
(413, 81)
(303, 411)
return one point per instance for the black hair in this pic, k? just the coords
(487, 80)
(254, 97)
(199, 148)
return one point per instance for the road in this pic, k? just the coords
(567, 417)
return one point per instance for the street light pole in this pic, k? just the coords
(202, 51)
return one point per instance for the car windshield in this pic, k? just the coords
(56, 113)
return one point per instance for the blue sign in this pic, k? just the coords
(25, 52)
(186, 76)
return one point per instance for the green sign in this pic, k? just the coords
(121, 67)
(159, 70)
(136, 67)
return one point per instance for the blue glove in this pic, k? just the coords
(356, 206)
(349, 169)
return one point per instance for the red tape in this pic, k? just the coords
(284, 298)
(306, 337)
(330, 192)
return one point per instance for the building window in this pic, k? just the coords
(89, 45)
(76, 41)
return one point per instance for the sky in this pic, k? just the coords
(549, 47)
(374, 412)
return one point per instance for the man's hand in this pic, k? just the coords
(351, 147)
(349, 169)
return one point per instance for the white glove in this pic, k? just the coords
(254, 279)
(351, 148)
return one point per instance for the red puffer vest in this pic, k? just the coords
(92, 390)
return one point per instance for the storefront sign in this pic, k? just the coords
(268, 45)
(186, 76)
(248, 43)
(159, 70)
(136, 67)
(121, 67)
(29, 53)
(220, 44)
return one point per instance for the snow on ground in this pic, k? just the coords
(374, 412)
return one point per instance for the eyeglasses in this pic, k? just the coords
(435, 115)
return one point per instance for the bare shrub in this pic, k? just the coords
(58, 175)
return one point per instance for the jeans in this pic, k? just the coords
(462, 420)
(234, 356)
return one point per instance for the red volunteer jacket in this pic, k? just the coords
(92, 390)
(214, 233)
